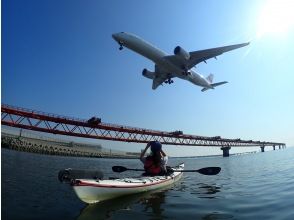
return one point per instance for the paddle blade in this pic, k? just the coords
(119, 169)
(67, 175)
(209, 170)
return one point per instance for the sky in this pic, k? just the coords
(59, 57)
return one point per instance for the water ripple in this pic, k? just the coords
(255, 186)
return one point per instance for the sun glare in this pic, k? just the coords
(276, 17)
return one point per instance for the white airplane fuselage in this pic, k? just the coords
(151, 52)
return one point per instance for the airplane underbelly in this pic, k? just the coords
(170, 67)
(147, 51)
(198, 80)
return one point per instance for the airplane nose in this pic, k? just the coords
(114, 36)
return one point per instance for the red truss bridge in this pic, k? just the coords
(95, 129)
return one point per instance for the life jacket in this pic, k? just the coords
(150, 167)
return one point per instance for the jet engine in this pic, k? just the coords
(182, 53)
(148, 74)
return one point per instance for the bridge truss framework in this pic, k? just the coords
(55, 124)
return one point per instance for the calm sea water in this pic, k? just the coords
(253, 186)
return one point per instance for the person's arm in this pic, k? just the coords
(164, 158)
(144, 151)
(162, 153)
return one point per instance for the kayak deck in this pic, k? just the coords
(93, 191)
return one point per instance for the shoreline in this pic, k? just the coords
(39, 146)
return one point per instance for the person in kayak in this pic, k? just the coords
(154, 164)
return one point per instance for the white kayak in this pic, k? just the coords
(93, 191)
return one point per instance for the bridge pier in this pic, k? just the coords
(279, 147)
(226, 151)
(262, 148)
(274, 147)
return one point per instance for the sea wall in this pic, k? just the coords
(58, 148)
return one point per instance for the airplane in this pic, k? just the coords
(178, 65)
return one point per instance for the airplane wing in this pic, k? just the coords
(160, 77)
(202, 55)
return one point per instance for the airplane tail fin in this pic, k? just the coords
(214, 85)
(210, 78)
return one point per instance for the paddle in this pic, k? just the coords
(204, 171)
(67, 175)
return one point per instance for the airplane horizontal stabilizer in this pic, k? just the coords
(204, 89)
(214, 85)
(218, 84)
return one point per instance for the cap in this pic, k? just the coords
(155, 146)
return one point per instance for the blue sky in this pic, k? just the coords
(59, 57)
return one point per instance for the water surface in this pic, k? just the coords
(253, 186)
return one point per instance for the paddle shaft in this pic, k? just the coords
(135, 169)
(182, 171)
(204, 171)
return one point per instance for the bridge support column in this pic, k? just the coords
(226, 151)
(274, 147)
(262, 148)
(279, 147)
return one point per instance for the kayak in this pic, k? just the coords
(93, 191)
